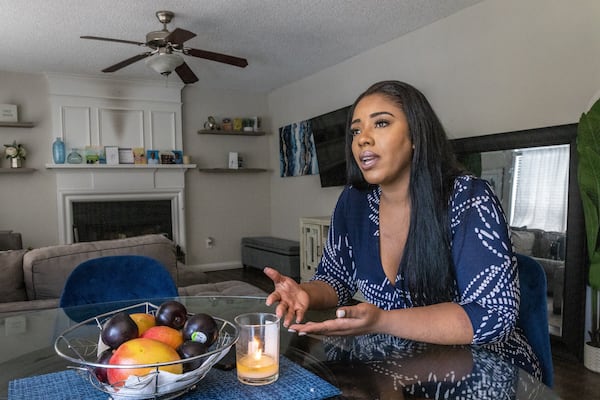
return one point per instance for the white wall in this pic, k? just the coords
(497, 66)
(28, 201)
(225, 207)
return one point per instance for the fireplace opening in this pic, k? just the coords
(106, 220)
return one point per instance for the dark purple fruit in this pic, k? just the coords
(201, 328)
(190, 349)
(119, 329)
(103, 359)
(171, 313)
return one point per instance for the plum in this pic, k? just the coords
(103, 359)
(201, 328)
(189, 349)
(119, 329)
(171, 313)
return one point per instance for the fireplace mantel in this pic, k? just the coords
(120, 166)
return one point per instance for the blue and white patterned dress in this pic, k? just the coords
(485, 269)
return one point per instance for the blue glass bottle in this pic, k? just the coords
(58, 151)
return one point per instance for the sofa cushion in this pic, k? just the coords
(46, 269)
(12, 285)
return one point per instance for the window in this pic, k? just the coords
(540, 188)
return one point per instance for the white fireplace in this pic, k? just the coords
(83, 183)
(100, 111)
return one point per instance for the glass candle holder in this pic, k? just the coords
(257, 348)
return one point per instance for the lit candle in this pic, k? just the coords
(255, 364)
(257, 349)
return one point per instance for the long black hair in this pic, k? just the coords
(427, 263)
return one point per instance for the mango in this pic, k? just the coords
(165, 334)
(141, 351)
(143, 321)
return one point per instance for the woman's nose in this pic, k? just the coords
(364, 137)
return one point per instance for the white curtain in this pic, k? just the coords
(540, 188)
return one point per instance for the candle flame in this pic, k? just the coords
(257, 351)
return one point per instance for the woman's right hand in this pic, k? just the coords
(293, 300)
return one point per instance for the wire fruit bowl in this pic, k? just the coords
(81, 344)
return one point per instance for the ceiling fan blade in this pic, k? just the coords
(127, 62)
(112, 40)
(222, 58)
(178, 36)
(186, 74)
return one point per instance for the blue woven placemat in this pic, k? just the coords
(294, 382)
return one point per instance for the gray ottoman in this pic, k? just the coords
(268, 251)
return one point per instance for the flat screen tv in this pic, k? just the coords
(329, 134)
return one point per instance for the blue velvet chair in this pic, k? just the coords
(115, 278)
(533, 313)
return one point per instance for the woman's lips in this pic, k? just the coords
(368, 159)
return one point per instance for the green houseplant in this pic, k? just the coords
(588, 149)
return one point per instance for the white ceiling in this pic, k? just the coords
(283, 40)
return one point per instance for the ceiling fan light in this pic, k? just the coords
(164, 63)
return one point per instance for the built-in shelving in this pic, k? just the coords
(16, 170)
(17, 124)
(235, 133)
(231, 170)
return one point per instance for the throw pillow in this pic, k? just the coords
(12, 284)
(523, 241)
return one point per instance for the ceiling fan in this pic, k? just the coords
(164, 46)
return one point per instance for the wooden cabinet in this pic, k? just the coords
(313, 236)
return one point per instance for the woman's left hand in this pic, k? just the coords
(351, 320)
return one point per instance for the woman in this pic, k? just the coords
(426, 244)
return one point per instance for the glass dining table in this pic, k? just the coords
(361, 367)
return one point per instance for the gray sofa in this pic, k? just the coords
(548, 249)
(33, 279)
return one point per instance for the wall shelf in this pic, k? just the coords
(231, 170)
(17, 124)
(16, 170)
(231, 133)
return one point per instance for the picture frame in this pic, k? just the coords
(139, 155)
(112, 155)
(125, 155)
(152, 157)
(8, 113)
(167, 157)
(178, 155)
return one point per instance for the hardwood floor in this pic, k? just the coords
(572, 381)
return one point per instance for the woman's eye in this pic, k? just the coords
(382, 123)
(354, 131)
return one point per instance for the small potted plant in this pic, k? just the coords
(588, 176)
(16, 153)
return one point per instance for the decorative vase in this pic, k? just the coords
(591, 357)
(15, 162)
(58, 151)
